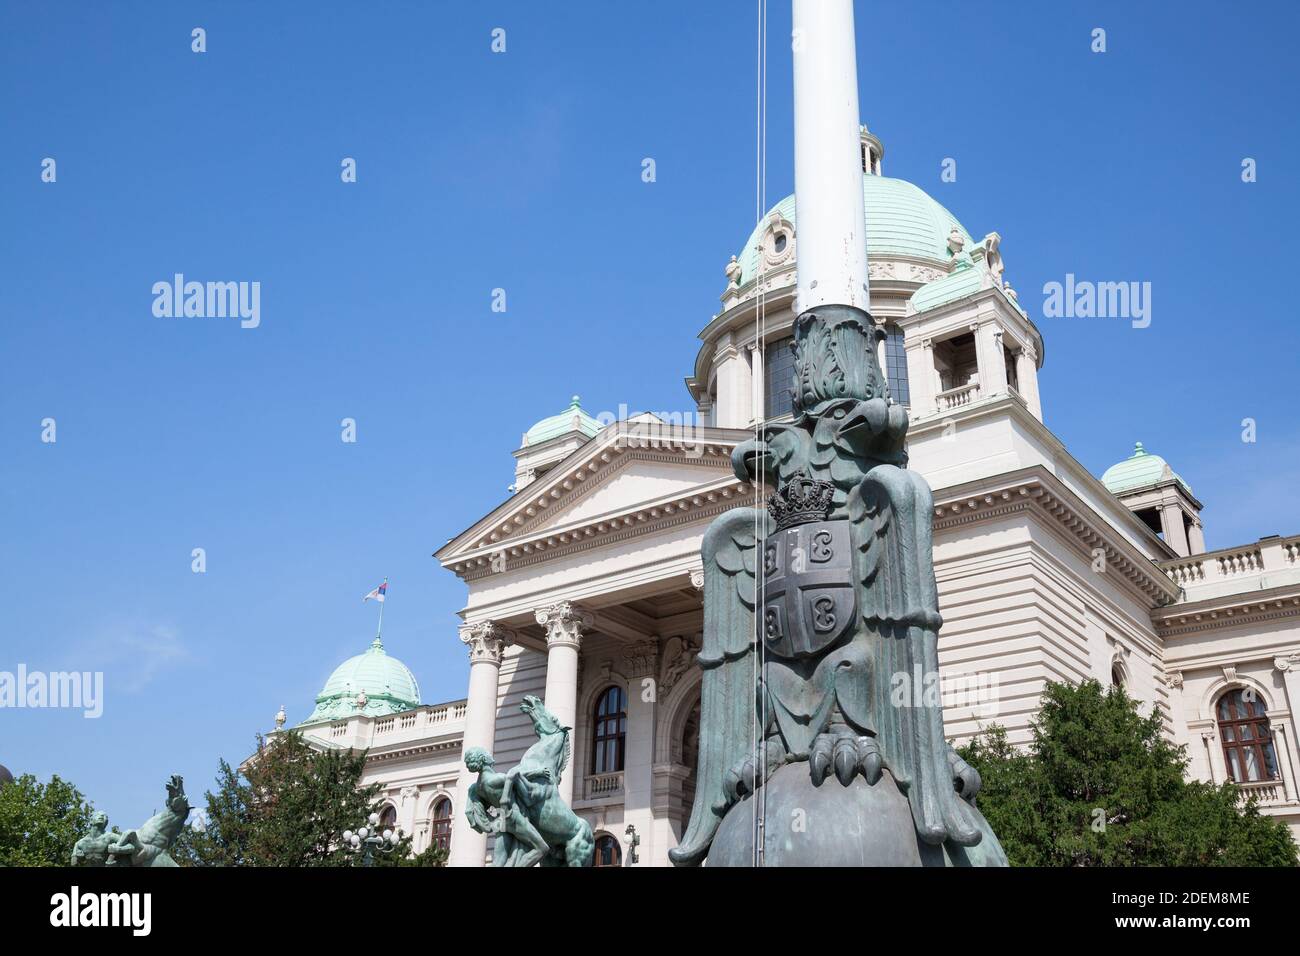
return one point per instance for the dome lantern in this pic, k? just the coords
(872, 151)
(1153, 491)
(551, 440)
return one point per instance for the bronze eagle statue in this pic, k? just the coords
(814, 606)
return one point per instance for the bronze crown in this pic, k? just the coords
(802, 500)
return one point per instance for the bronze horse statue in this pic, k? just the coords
(148, 845)
(523, 807)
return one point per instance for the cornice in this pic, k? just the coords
(1036, 490)
(400, 752)
(1229, 610)
(1016, 410)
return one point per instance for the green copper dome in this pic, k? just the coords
(1137, 471)
(372, 683)
(572, 419)
(902, 219)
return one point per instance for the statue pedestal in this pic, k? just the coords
(834, 825)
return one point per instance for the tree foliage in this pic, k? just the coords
(288, 805)
(1101, 785)
(41, 822)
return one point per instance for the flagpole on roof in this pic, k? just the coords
(379, 633)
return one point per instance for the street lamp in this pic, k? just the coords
(367, 841)
(633, 841)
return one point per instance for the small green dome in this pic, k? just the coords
(1139, 470)
(901, 219)
(572, 419)
(372, 683)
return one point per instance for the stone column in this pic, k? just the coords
(1196, 538)
(734, 399)
(487, 642)
(921, 378)
(641, 666)
(407, 801)
(882, 354)
(1208, 737)
(564, 626)
(1171, 519)
(1027, 381)
(1289, 668)
(1282, 754)
(757, 401)
(991, 358)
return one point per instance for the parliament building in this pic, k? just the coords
(584, 586)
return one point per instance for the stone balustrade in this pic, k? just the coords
(600, 785)
(1267, 793)
(360, 731)
(1266, 563)
(958, 397)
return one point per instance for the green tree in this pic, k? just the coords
(432, 855)
(41, 822)
(1101, 785)
(288, 805)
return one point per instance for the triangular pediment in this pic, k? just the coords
(608, 476)
(638, 482)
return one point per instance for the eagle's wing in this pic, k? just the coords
(727, 711)
(891, 511)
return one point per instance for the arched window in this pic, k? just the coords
(608, 852)
(609, 731)
(388, 818)
(1247, 744)
(1117, 676)
(441, 824)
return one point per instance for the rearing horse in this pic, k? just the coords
(148, 845)
(532, 788)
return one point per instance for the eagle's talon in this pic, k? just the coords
(849, 754)
(846, 759)
(819, 758)
(751, 773)
(873, 764)
(965, 778)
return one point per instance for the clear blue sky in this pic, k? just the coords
(522, 171)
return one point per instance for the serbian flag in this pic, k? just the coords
(378, 594)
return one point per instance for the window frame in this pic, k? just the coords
(778, 357)
(1250, 715)
(603, 734)
(440, 826)
(617, 856)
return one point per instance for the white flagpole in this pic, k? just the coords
(379, 633)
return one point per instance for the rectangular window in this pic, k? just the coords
(778, 378)
(896, 365)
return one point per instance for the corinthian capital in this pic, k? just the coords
(487, 641)
(564, 624)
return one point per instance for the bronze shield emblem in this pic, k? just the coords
(810, 599)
